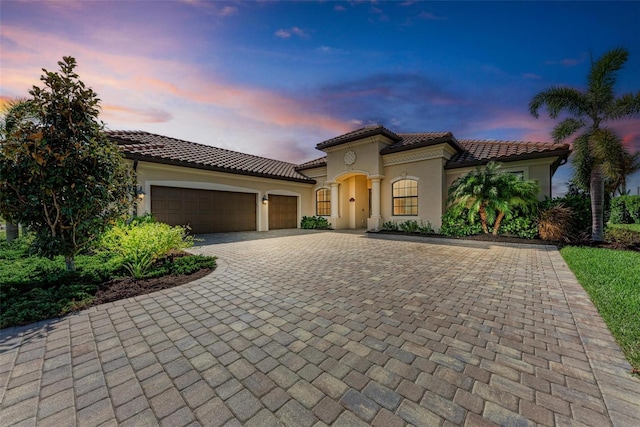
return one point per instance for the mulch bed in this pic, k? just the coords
(128, 287)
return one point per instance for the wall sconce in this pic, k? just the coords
(140, 192)
(352, 200)
(265, 200)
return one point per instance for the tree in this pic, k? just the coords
(60, 176)
(492, 194)
(598, 152)
(629, 166)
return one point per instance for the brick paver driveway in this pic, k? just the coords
(335, 328)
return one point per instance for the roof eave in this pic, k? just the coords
(172, 162)
(562, 153)
(373, 132)
(448, 139)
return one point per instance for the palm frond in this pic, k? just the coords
(625, 106)
(566, 128)
(559, 99)
(602, 74)
(582, 162)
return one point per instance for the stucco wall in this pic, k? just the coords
(149, 174)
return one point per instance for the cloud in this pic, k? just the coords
(531, 76)
(228, 11)
(293, 31)
(120, 113)
(431, 16)
(568, 62)
(339, 8)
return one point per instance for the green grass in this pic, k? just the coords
(612, 280)
(632, 227)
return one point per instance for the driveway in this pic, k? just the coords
(305, 328)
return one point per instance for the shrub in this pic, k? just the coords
(625, 210)
(409, 226)
(188, 264)
(622, 236)
(455, 222)
(141, 244)
(314, 222)
(554, 223)
(580, 224)
(425, 228)
(390, 226)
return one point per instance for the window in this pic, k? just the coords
(519, 174)
(405, 197)
(323, 202)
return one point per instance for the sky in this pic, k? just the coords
(276, 78)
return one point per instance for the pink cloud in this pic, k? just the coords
(134, 115)
(531, 76)
(568, 62)
(339, 8)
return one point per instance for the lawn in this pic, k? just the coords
(612, 280)
(632, 227)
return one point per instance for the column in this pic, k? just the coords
(335, 213)
(375, 222)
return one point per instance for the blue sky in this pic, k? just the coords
(276, 78)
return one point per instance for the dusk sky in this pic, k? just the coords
(276, 78)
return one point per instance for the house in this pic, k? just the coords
(367, 176)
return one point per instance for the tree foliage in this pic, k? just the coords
(599, 155)
(60, 176)
(491, 194)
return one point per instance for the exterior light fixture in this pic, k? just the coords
(265, 200)
(140, 192)
(352, 200)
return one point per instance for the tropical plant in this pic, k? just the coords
(598, 152)
(60, 176)
(409, 226)
(390, 226)
(314, 222)
(491, 194)
(554, 223)
(455, 223)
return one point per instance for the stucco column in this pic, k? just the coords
(335, 213)
(375, 222)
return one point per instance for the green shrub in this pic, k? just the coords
(618, 211)
(17, 248)
(622, 236)
(455, 222)
(425, 228)
(633, 207)
(409, 226)
(524, 226)
(140, 245)
(314, 222)
(390, 226)
(188, 264)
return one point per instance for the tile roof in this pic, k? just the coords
(480, 151)
(409, 141)
(322, 161)
(364, 132)
(162, 149)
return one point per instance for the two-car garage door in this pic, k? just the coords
(205, 211)
(209, 211)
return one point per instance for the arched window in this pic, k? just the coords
(323, 202)
(405, 197)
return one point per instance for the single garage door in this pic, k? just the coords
(205, 211)
(283, 212)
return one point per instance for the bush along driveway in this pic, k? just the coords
(335, 328)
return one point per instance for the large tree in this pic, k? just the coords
(598, 152)
(491, 194)
(60, 176)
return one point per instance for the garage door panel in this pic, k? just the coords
(205, 211)
(283, 212)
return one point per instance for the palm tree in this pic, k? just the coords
(492, 195)
(630, 165)
(598, 152)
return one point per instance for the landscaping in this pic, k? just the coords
(611, 278)
(129, 260)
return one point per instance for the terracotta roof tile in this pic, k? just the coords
(322, 161)
(369, 130)
(163, 149)
(479, 151)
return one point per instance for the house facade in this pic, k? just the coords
(366, 177)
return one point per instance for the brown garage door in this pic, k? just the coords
(283, 212)
(205, 211)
